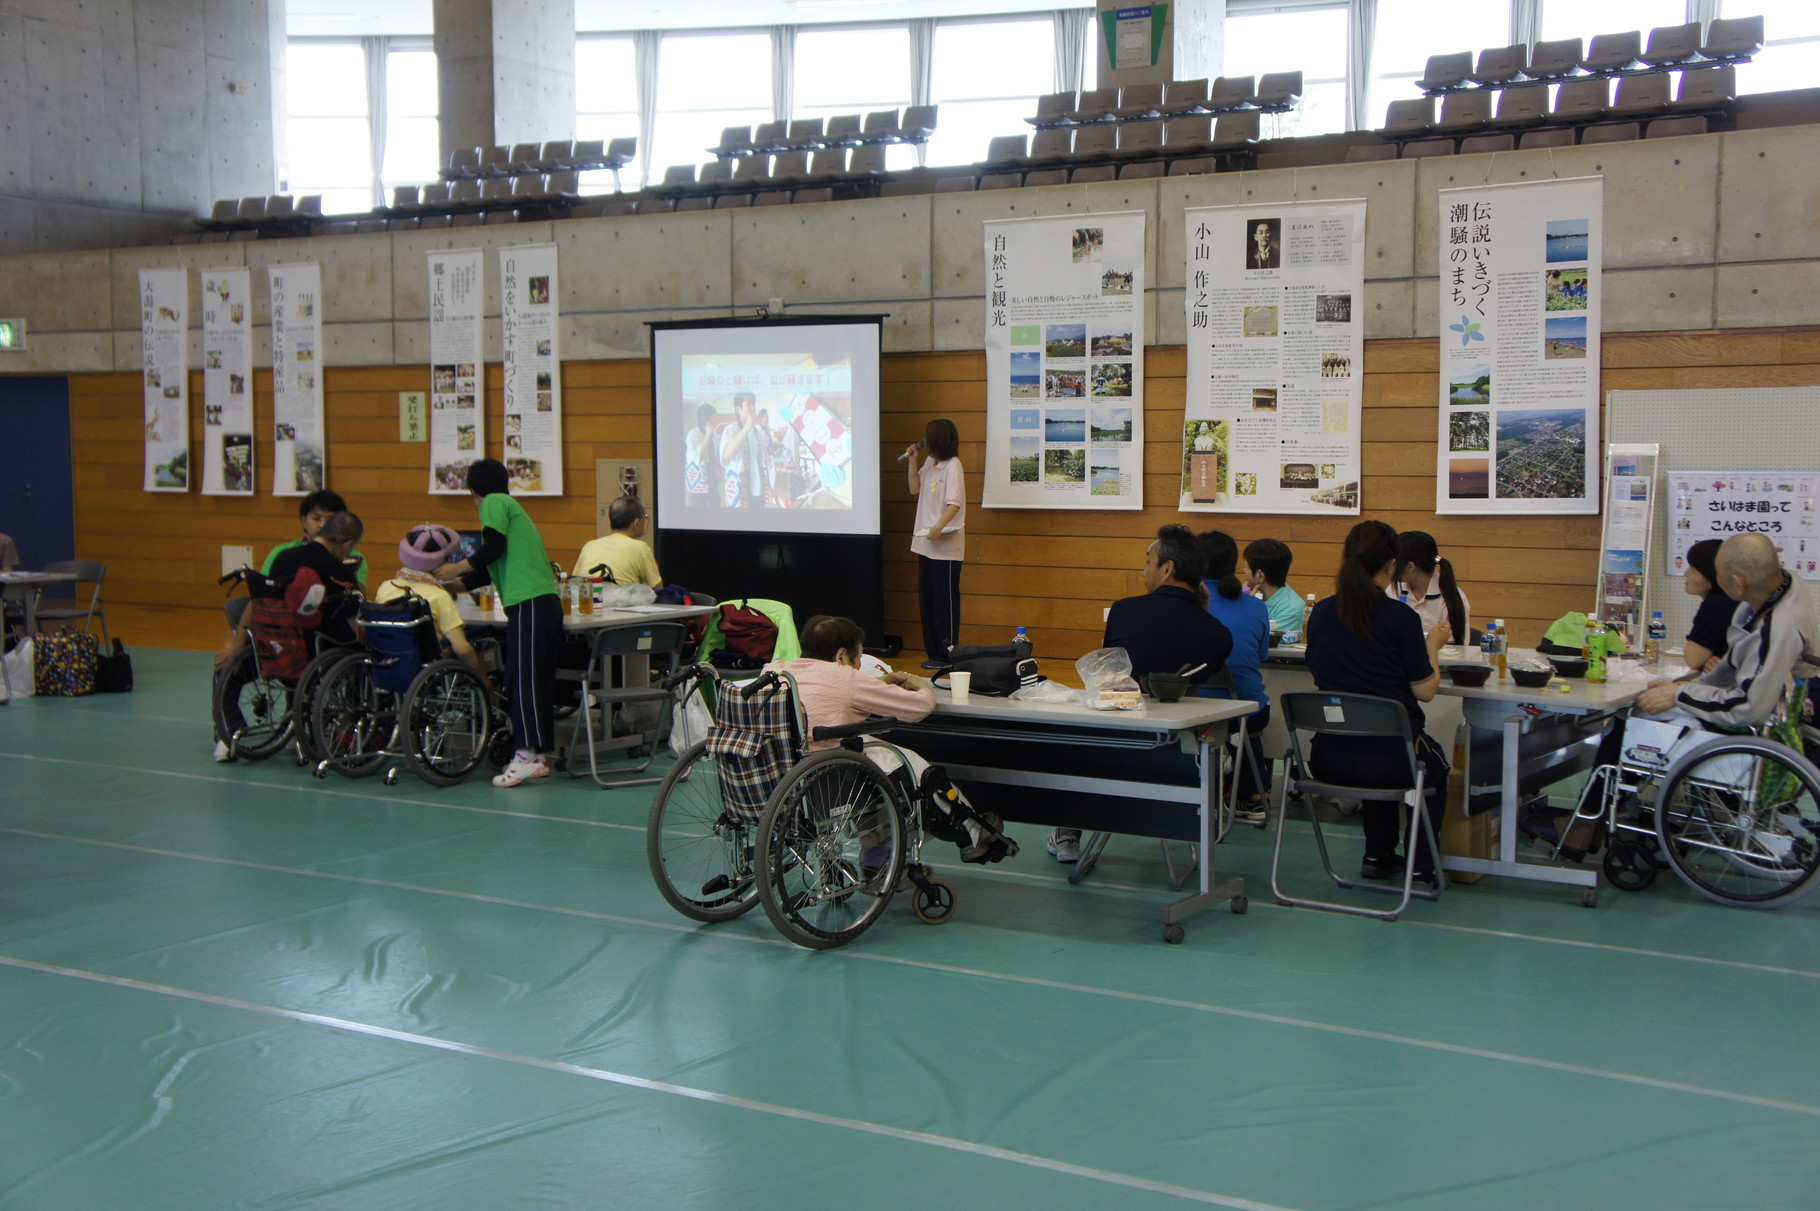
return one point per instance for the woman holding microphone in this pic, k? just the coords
(939, 537)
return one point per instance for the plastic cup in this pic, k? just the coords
(960, 687)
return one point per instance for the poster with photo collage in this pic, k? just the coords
(1519, 344)
(1065, 362)
(164, 326)
(457, 368)
(299, 459)
(227, 382)
(528, 292)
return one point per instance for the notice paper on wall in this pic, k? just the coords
(1780, 505)
(1520, 302)
(457, 368)
(1276, 341)
(227, 382)
(533, 369)
(164, 297)
(299, 460)
(1065, 362)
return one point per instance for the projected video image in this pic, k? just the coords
(767, 431)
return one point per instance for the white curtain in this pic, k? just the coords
(644, 60)
(922, 70)
(1073, 28)
(1525, 22)
(783, 71)
(375, 51)
(1361, 31)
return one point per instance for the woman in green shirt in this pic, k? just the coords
(512, 556)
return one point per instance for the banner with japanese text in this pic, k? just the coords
(164, 325)
(458, 371)
(528, 291)
(227, 382)
(1519, 333)
(1065, 362)
(299, 457)
(1276, 356)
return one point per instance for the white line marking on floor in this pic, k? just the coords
(653, 1086)
(1117, 994)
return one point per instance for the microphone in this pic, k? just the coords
(906, 453)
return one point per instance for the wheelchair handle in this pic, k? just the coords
(864, 727)
(704, 671)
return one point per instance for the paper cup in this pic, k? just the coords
(960, 686)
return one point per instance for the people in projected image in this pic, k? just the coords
(701, 461)
(744, 456)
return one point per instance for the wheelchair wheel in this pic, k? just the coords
(252, 713)
(1738, 817)
(303, 703)
(1629, 865)
(354, 718)
(700, 858)
(830, 849)
(934, 906)
(447, 722)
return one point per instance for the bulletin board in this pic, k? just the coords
(1747, 429)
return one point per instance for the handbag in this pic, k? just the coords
(114, 671)
(64, 663)
(999, 670)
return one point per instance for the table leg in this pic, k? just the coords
(1211, 892)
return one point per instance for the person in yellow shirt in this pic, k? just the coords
(419, 553)
(626, 557)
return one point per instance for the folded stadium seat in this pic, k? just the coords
(499, 218)
(880, 124)
(1278, 90)
(732, 201)
(1095, 105)
(1611, 132)
(186, 237)
(772, 197)
(1733, 38)
(400, 223)
(1671, 45)
(528, 187)
(819, 194)
(465, 195)
(866, 160)
(1094, 172)
(1613, 52)
(1183, 97)
(1423, 148)
(225, 210)
(1139, 101)
(1524, 105)
(214, 237)
(337, 227)
(463, 162)
(1095, 142)
(906, 185)
(523, 157)
(1444, 73)
(843, 130)
(434, 196)
(1545, 138)
(828, 164)
(734, 141)
(1668, 128)
(1141, 171)
(917, 124)
(1641, 96)
(1004, 150)
(755, 167)
(1193, 166)
(803, 134)
(1002, 180)
(1186, 136)
(1233, 132)
(714, 175)
(609, 207)
(498, 162)
(1482, 144)
(1139, 139)
(564, 186)
(1582, 100)
(619, 153)
(1554, 60)
(242, 234)
(1053, 109)
(1465, 111)
(1500, 65)
(406, 197)
(279, 206)
(956, 185)
(585, 154)
(654, 205)
(369, 226)
(468, 218)
(250, 209)
(1051, 144)
(1360, 153)
(307, 204)
(1409, 116)
(430, 221)
(1707, 88)
(700, 201)
(1228, 93)
(679, 174)
(495, 191)
(553, 155)
(1045, 176)
(767, 137)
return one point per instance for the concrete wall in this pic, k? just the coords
(126, 117)
(1710, 231)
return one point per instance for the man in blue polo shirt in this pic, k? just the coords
(1166, 629)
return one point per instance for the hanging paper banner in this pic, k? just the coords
(1065, 362)
(1276, 353)
(533, 369)
(457, 368)
(164, 296)
(1780, 505)
(1520, 296)
(227, 383)
(298, 456)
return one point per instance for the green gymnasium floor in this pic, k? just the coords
(237, 986)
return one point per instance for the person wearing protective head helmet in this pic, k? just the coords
(420, 552)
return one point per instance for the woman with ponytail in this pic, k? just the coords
(1363, 642)
(1425, 581)
(1248, 618)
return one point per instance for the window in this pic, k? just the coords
(606, 103)
(1791, 44)
(987, 77)
(412, 134)
(845, 71)
(706, 82)
(1281, 38)
(1579, 19)
(329, 136)
(1408, 31)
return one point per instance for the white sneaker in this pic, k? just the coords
(1065, 844)
(521, 770)
(223, 753)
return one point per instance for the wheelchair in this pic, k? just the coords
(1736, 815)
(822, 839)
(262, 693)
(399, 698)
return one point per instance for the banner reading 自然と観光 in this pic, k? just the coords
(457, 369)
(1065, 362)
(1276, 341)
(227, 382)
(533, 369)
(1519, 333)
(164, 298)
(299, 459)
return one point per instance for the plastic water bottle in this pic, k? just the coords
(1022, 638)
(1307, 612)
(1488, 642)
(1658, 631)
(1501, 648)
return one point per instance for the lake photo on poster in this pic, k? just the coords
(1567, 240)
(1065, 425)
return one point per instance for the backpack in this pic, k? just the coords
(747, 632)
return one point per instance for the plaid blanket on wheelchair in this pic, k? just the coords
(755, 738)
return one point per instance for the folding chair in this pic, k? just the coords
(1357, 715)
(87, 571)
(612, 646)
